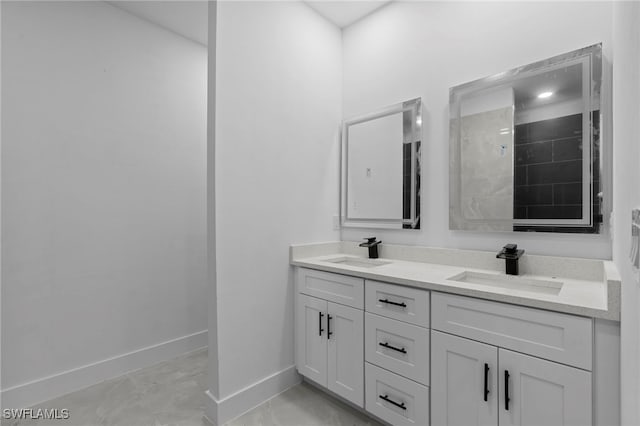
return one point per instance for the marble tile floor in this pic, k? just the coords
(169, 393)
(303, 405)
(172, 394)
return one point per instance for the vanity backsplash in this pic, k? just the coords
(587, 287)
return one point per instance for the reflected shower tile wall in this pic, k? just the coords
(548, 172)
(486, 165)
(406, 180)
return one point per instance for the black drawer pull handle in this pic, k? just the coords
(320, 329)
(390, 401)
(506, 390)
(404, 305)
(329, 332)
(388, 346)
(486, 387)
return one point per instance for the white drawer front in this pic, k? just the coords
(554, 336)
(398, 302)
(333, 287)
(397, 346)
(395, 399)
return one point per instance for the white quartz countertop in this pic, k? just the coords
(589, 287)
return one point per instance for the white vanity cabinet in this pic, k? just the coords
(329, 334)
(419, 357)
(397, 353)
(490, 382)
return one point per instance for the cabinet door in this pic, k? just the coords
(458, 384)
(345, 339)
(542, 393)
(311, 338)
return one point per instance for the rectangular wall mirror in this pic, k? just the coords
(525, 149)
(380, 178)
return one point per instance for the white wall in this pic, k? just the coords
(212, 293)
(276, 178)
(103, 195)
(410, 49)
(626, 132)
(1, 406)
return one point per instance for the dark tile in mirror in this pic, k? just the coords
(555, 128)
(555, 212)
(557, 172)
(534, 194)
(520, 175)
(567, 149)
(567, 193)
(533, 153)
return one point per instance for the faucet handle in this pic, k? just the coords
(370, 239)
(511, 248)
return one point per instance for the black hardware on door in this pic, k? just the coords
(329, 332)
(388, 346)
(486, 387)
(390, 401)
(320, 329)
(404, 305)
(506, 390)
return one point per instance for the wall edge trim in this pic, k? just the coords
(49, 387)
(220, 411)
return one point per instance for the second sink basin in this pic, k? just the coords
(509, 282)
(358, 262)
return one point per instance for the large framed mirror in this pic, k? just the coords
(525, 150)
(380, 177)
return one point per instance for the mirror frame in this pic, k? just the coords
(591, 58)
(413, 136)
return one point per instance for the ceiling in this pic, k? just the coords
(346, 12)
(190, 19)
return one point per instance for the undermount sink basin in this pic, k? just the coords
(358, 262)
(509, 282)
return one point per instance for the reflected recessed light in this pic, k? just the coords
(545, 95)
(419, 121)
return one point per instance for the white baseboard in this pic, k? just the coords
(221, 411)
(28, 394)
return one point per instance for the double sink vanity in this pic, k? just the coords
(444, 337)
(418, 336)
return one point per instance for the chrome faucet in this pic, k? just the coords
(372, 244)
(510, 254)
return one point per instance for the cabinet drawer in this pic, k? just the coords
(333, 287)
(395, 399)
(554, 336)
(397, 346)
(398, 302)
